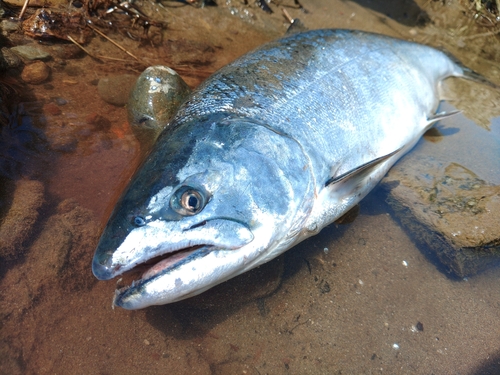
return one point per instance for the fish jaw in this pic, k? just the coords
(197, 273)
(165, 238)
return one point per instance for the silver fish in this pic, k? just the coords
(264, 154)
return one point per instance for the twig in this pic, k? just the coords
(112, 41)
(82, 47)
(26, 2)
(287, 15)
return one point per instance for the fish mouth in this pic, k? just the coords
(161, 264)
(161, 247)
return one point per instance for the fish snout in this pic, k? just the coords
(102, 269)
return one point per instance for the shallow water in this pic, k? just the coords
(358, 298)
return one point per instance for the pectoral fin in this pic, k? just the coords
(361, 169)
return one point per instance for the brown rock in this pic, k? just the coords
(450, 210)
(35, 73)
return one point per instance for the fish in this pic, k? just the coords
(265, 153)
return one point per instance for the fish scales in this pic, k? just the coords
(265, 153)
(324, 76)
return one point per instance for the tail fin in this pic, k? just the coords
(471, 74)
(476, 77)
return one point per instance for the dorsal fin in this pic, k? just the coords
(360, 169)
(296, 26)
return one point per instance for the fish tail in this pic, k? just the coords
(470, 74)
(476, 77)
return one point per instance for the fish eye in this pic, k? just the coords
(187, 201)
(139, 221)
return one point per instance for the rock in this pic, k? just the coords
(446, 207)
(116, 89)
(30, 52)
(17, 225)
(9, 26)
(35, 73)
(10, 59)
(155, 97)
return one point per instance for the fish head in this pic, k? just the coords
(213, 200)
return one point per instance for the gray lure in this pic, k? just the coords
(265, 153)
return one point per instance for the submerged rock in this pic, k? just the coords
(31, 52)
(35, 73)
(449, 209)
(155, 97)
(116, 89)
(17, 225)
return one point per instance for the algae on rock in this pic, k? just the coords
(450, 210)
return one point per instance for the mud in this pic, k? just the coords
(362, 297)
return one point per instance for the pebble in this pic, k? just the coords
(60, 101)
(31, 52)
(116, 89)
(35, 73)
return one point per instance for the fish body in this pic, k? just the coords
(265, 153)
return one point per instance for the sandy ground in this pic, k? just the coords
(359, 298)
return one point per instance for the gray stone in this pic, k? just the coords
(10, 59)
(31, 52)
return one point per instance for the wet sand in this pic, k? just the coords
(359, 298)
